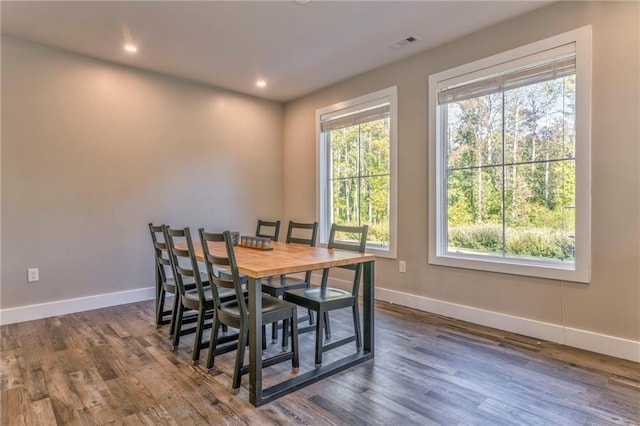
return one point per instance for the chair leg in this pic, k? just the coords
(213, 342)
(274, 331)
(174, 312)
(327, 326)
(237, 373)
(178, 327)
(310, 313)
(356, 326)
(198, 338)
(285, 335)
(159, 291)
(319, 328)
(264, 337)
(295, 362)
(160, 306)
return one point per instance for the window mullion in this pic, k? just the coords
(504, 180)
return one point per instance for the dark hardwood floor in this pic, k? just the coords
(113, 366)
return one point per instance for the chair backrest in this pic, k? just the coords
(228, 263)
(360, 232)
(160, 251)
(297, 239)
(275, 232)
(183, 259)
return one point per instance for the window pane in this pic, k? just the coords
(344, 197)
(474, 211)
(374, 208)
(475, 132)
(374, 148)
(540, 210)
(344, 152)
(539, 121)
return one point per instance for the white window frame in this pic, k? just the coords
(580, 271)
(389, 94)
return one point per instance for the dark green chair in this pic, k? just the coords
(264, 226)
(276, 286)
(324, 299)
(165, 283)
(199, 298)
(235, 313)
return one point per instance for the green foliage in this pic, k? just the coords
(511, 164)
(484, 238)
(360, 177)
(530, 242)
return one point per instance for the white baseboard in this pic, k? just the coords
(582, 339)
(62, 307)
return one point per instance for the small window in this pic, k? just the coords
(510, 161)
(357, 172)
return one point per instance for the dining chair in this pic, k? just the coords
(165, 283)
(324, 299)
(297, 233)
(270, 225)
(200, 298)
(235, 313)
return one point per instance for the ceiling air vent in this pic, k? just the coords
(400, 44)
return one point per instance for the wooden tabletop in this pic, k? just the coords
(285, 258)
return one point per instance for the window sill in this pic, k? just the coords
(562, 272)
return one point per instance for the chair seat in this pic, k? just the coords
(269, 305)
(225, 274)
(283, 283)
(189, 283)
(316, 293)
(313, 297)
(225, 294)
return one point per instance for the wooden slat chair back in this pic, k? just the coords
(222, 272)
(360, 232)
(272, 229)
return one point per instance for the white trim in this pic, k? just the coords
(577, 338)
(322, 191)
(70, 306)
(583, 339)
(438, 250)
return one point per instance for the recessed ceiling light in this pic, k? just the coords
(301, 2)
(130, 48)
(261, 83)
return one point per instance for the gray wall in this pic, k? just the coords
(92, 152)
(611, 303)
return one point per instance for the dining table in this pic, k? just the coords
(283, 258)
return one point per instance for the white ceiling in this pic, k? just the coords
(296, 48)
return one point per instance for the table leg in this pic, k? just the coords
(255, 341)
(368, 307)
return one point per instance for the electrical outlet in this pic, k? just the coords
(33, 275)
(402, 266)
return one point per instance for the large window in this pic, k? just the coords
(509, 172)
(357, 177)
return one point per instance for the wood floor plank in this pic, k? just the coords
(42, 412)
(62, 401)
(18, 404)
(113, 366)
